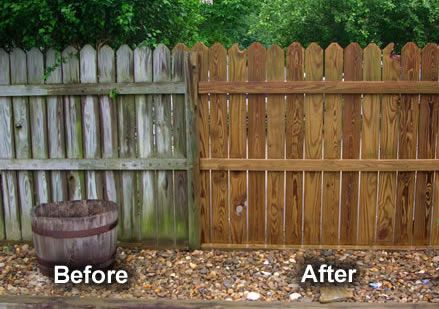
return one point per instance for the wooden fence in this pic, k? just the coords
(318, 147)
(103, 124)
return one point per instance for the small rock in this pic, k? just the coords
(334, 294)
(192, 265)
(253, 296)
(436, 259)
(295, 296)
(375, 285)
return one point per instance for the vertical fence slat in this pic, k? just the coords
(276, 147)
(38, 119)
(55, 125)
(126, 111)
(9, 214)
(219, 141)
(408, 123)
(332, 150)
(73, 122)
(369, 147)
(388, 150)
(162, 105)
(179, 60)
(256, 145)
(353, 55)
(294, 137)
(203, 142)
(426, 201)
(313, 146)
(238, 137)
(90, 122)
(147, 231)
(22, 141)
(109, 132)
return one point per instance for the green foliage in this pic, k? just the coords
(58, 23)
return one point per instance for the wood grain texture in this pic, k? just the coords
(179, 57)
(425, 216)
(294, 137)
(238, 143)
(332, 146)
(353, 55)
(408, 125)
(369, 148)
(73, 123)
(202, 120)
(38, 124)
(388, 150)
(108, 115)
(126, 110)
(56, 126)
(165, 183)
(147, 207)
(256, 144)
(22, 137)
(275, 147)
(10, 220)
(313, 146)
(91, 122)
(219, 144)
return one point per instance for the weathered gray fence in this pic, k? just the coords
(87, 124)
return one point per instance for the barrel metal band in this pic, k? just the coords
(75, 234)
(96, 262)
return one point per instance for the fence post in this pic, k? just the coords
(191, 98)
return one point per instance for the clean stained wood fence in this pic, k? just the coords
(318, 147)
(100, 124)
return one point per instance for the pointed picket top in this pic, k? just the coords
(70, 65)
(333, 62)
(275, 63)
(237, 63)
(35, 66)
(314, 62)
(143, 64)
(161, 63)
(199, 47)
(256, 55)
(124, 64)
(178, 57)
(53, 69)
(203, 59)
(353, 62)
(430, 62)
(391, 63)
(295, 61)
(4, 67)
(18, 66)
(410, 61)
(372, 62)
(106, 65)
(218, 62)
(88, 59)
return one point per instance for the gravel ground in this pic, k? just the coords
(386, 276)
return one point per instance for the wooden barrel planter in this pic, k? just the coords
(75, 234)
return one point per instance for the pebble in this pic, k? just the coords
(253, 296)
(295, 296)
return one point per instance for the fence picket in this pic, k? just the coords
(10, 219)
(55, 125)
(332, 146)
(22, 142)
(426, 223)
(73, 123)
(388, 150)
(165, 184)
(256, 145)
(313, 146)
(91, 122)
(179, 54)
(275, 147)
(147, 230)
(238, 136)
(369, 147)
(126, 110)
(294, 137)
